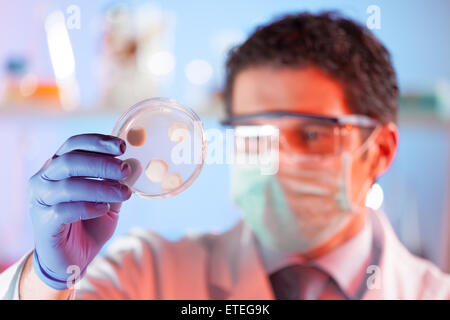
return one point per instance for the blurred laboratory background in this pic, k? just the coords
(70, 67)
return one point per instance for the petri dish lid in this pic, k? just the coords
(166, 147)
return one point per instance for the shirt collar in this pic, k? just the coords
(345, 264)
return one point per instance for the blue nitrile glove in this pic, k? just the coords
(72, 214)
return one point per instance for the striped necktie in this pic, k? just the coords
(298, 282)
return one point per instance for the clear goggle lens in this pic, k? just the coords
(308, 136)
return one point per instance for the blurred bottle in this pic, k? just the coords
(136, 56)
(24, 89)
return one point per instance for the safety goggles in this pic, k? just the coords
(304, 134)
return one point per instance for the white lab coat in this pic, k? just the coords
(143, 265)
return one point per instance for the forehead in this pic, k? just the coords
(307, 90)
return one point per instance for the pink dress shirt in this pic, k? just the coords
(346, 264)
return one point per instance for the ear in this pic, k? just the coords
(385, 148)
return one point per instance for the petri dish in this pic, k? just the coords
(166, 147)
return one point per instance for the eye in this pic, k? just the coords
(314, 133)
(315, 137)
(309, 134)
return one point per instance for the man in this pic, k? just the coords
(329, 87)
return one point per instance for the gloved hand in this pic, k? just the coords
(73, 215)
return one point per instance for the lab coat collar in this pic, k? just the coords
(236, 269)
(382, 282)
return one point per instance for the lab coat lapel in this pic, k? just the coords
(236, 269)
(386, 288)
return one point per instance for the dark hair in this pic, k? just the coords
(343, 49)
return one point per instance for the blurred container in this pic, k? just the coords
(23, 88)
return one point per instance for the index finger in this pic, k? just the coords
(94, 142)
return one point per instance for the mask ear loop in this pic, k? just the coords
(344, 194)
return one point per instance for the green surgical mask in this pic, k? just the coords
(320, 204)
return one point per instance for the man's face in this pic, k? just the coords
(306, 90)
